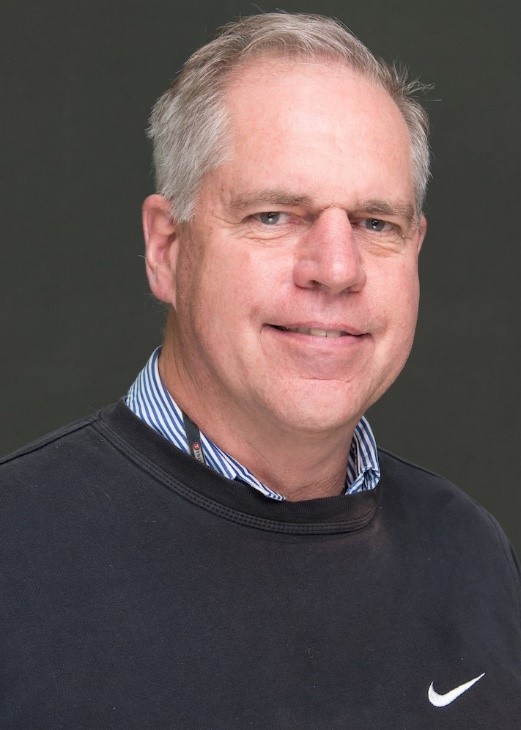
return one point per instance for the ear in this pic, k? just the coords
(161, 247)
(422, 230)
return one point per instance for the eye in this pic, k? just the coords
(376, 225)
(270, 218)
(378, 232)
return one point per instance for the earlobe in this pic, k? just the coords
(161, 247)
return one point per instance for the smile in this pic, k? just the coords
(313, 331)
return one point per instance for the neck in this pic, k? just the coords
(298, 464)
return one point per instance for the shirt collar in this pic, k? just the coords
(152, 403)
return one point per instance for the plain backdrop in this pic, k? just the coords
(77, 322)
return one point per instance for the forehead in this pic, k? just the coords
(321, 123)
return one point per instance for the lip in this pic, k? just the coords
(318, 330)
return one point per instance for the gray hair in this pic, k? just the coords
(189, 122)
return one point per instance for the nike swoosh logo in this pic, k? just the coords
(443, 700)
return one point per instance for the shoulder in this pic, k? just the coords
(427, 492)
(45, 442)
(70, 480)
(443, 517)
(425, 488)
(71, 452)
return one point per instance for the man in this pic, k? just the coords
(227, 547)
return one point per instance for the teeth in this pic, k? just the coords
(323, 333)
(315, 332)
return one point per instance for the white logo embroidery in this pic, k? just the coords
(443, 700)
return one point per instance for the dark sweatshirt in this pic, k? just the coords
(140, 589)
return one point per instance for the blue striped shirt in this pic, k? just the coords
(152, 403)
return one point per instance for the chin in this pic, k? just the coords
(320, 413)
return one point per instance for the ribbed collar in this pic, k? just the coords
(204, 488)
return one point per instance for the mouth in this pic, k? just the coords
(316, 331)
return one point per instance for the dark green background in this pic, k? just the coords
(77, 322)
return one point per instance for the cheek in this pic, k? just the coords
(210, 302)
(405, 313)
(239, 284)
(396, 301)
(191, 300)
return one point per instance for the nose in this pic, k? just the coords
(328, 257)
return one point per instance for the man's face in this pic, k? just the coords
(306, 229)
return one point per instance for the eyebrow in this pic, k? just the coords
(381, 207)
(273, 196)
